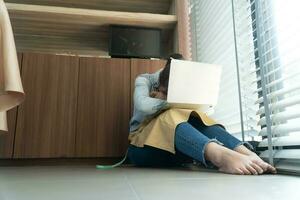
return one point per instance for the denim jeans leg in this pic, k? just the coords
(191, 142)
(149, 156)
(219, 133)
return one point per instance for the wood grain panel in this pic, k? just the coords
(75, 30)
(64, 30)
(153, 6)
(89, 16)
(140, 66)
(61, 45)
(183, 29)
(103, 107)
(46, 120)
(7, 138)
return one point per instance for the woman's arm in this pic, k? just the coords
(142, 100)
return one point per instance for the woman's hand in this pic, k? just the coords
(158, 95)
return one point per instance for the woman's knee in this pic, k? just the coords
(182, 127)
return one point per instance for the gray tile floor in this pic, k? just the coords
(130, 183)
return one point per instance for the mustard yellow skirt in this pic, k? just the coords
(159, 132)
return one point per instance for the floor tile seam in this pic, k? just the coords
(132, 188)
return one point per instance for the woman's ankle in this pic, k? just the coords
(212, 153)
(215, 153)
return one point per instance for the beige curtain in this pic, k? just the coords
(11, 90)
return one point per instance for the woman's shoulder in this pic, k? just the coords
(151, 78)
(148, 75)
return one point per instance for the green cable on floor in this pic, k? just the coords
(112, 166)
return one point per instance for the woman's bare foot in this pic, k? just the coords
(230, 161)
(256, 159)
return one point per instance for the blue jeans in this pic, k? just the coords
(191, 139)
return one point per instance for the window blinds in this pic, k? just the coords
(213, 39)
(257, 43)
(283, 101)
(275, 53)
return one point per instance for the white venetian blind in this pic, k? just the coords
(246, 61)
(213, 42)
(258, 44)
(272, 30)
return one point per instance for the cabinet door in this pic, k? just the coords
(7, 138)
(103, 107)
(140, 66)
(46, 119)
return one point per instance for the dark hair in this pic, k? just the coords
(165, 73)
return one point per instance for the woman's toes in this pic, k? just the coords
(264, 166)
(246, 171)
(272, 169)
(257, 168)
(258, 161)
(239, 172)
(252, 170)
(267, 167)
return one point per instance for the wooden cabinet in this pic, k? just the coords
(103, 107)
(140, 66)
(46, 120)
(74, 107)
(7, 139)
